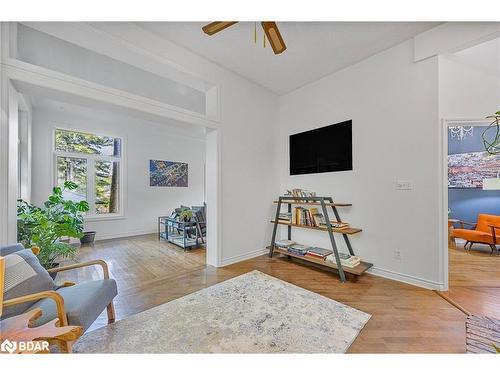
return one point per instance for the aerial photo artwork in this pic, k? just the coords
(168, 173)
(467, 170)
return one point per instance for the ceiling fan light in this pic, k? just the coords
(215, 27)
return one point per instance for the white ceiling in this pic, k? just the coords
(314, 49)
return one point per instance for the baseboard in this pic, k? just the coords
(242, 257)
(392, 275)
(401, 277)
(111, 236)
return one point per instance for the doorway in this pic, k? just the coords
(210, 148)
(471, 200)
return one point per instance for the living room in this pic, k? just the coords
(114, 104)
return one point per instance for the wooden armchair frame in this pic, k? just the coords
(462, 223)
(57, 298)
(493, 246)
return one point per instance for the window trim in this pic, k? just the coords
(91, 159)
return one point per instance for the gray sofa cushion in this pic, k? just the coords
(23, 275)
(9, 249)
(83, 302)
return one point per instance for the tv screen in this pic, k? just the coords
(327, 149)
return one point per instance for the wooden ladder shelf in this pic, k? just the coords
(324, 202)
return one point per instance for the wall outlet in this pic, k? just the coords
(397, 254)
(404, 185)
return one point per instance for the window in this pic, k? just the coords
(93, 162)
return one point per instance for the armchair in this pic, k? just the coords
(485, 231)
(28, 286)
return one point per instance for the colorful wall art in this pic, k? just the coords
(168, 173)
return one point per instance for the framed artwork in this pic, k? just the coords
(467, 170)
(168, 173)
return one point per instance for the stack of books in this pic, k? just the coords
(318, 252)
(285, 218)
(298, 249)
(347, 260)
(321, 222)
(284, 243)
(297, 193)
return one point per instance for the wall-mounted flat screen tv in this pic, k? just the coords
(326, 149)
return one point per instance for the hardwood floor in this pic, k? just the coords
(474, 280)
(405, 319)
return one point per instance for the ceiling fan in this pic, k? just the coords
(270, 29)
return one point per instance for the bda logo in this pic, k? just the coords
(24, 346)
(8, 346)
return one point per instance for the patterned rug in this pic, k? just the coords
(251, 313)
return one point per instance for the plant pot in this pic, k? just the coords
(88, 238)
(49, 266)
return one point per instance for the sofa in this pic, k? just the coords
(485, 231)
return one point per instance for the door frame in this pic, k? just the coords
(443, 187)
(13, 70)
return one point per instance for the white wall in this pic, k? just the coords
(247, 125)
(393, 103)
(144, 140)
(469, 82)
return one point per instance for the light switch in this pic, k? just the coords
(404, 185)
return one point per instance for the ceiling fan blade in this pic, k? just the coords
(274, 37)
(215, 27)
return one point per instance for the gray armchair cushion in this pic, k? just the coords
(83, 302)
(9, 249)
(23, 275)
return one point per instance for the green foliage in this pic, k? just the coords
(186, 214)
(491, 135)
(45, 226)
(75, 168)
(82, 143)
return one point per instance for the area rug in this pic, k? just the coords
(251, 313)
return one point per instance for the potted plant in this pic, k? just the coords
(186, 214)
(491, 135)
(46, 226)
(88, 237)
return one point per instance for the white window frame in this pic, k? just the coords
(91, 160)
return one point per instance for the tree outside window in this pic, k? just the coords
(93, 162)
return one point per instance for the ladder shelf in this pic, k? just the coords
(324, 202)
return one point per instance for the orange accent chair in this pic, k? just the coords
(485, 231)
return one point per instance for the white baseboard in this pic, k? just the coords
(401, 277)
(124, 234)
(242, 257)
(392, 275)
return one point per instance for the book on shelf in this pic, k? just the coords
(347, 260)
(299, 193)
(319, 252)
(311, 217)
(284, 243)
(296, 252)
(285, 218)
(298, 249)
(305, 216)
(335, 224)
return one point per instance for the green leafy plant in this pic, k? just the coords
(186, 214)
(491, 135)
(45, 226)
